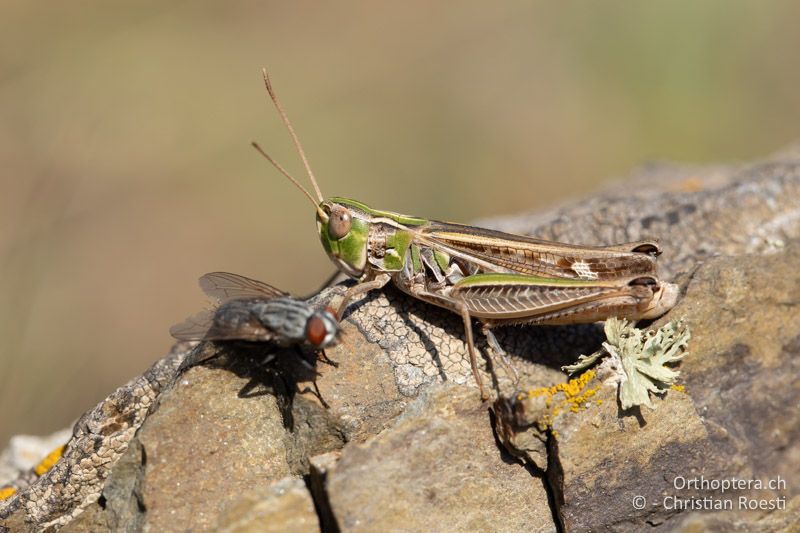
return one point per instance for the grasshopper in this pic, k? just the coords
(497, 278)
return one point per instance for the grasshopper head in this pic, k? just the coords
(343, 231)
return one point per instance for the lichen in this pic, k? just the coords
(49, 461)
(7, 491)
(642, 360)
(572, 396)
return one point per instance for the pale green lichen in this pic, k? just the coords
(643, 359)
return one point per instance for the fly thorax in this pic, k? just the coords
(286, 317)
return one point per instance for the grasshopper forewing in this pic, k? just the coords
(494, 277)
(504, 252)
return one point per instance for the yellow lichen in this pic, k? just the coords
(571, 388)
(678, 388)
(572, 395)
(40, 469)
(50, 461)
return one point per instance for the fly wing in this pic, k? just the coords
(495, 251)
(193, 328)
(218, 325)
(224, 286)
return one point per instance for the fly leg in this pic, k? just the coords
(318, 394)
(313, 369)
(301, 356)
(498, 350)
(327, 360)
(361, 288)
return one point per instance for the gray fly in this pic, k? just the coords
(250, 310)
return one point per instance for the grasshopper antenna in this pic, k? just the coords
(295, 139)
(291, 178)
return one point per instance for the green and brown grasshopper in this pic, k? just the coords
(498, 278)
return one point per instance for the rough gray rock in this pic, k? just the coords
(736, 419)
(24, 452)
(285, 506)
(437, 468)
(100, 437)
(696, 215)
(226, 432)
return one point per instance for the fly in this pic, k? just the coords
(250, 310)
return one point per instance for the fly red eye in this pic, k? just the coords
(316, 331)
(340, 222)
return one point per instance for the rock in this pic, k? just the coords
(320, 466)
(286, 505)
(437, 468)
(392, 439)
(100, 438)
(780, 521)
(737, 418)
(215, 436)
(25, 451)
(361, 393)
(119, 507)
(222, 433)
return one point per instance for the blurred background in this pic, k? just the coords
(127, 170)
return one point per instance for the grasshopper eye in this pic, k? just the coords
(340, 222)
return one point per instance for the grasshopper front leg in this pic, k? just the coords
(379, 282)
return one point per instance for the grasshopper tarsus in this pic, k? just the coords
(498, 350)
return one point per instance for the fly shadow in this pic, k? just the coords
(269, 369)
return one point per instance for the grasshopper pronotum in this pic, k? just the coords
(497, 278)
